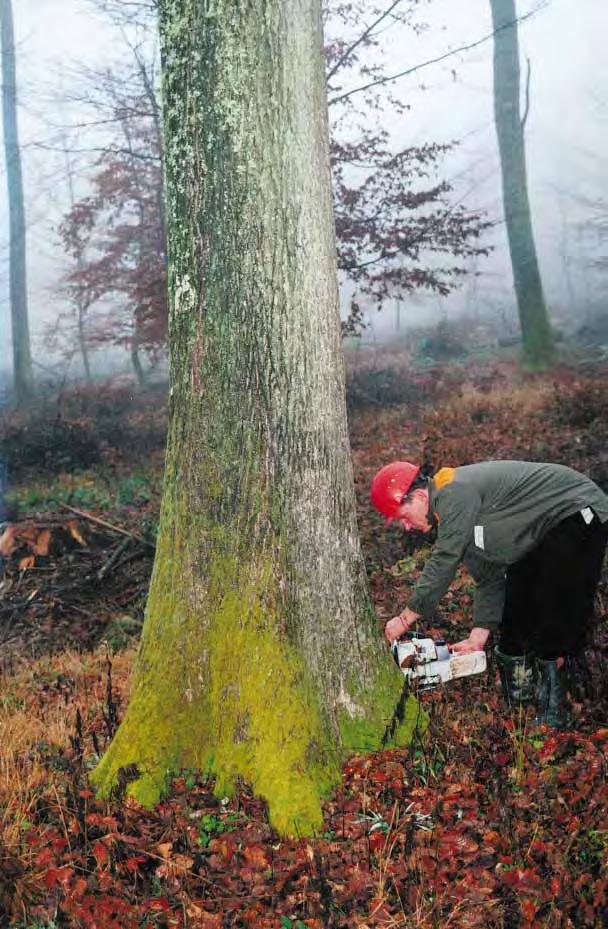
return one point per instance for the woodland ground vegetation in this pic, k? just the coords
(487, 821)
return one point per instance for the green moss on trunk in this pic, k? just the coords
(260, 658)
(243, 708)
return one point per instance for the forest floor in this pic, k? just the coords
(487, 822)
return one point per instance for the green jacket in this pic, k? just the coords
(488, 516)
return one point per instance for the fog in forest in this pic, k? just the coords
(60, 44)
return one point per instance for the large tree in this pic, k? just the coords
(535, 327)
(259, 658)
(22, 362)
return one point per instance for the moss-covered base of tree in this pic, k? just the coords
(224, 691)
(282, 750)
(274, 771)
(220, 687)
(144, 754)
(389, 715)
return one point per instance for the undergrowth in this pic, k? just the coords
(488, 823)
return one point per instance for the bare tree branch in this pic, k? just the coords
(364, 35)
(103, 150)
(432, 61)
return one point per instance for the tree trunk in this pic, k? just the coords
(535, 327)
(135, 359)
(260, 657)
(157, 145)
(81, 304)
(82, 339)
(22, 362)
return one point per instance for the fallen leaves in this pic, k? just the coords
(33, 540)
(485, 826)
(7, 542)
(75, 532)
(42, 542)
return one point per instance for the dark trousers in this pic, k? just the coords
(551, 590)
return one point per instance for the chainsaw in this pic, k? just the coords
(429, 663)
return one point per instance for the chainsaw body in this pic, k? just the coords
(429, 663)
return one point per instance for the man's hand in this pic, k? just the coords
(475, 643)
(396, 626)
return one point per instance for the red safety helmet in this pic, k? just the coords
(390, 485)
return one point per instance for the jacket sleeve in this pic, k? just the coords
(457, 506)
(489, 600)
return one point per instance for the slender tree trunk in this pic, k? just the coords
(22, 362)
(140, 231)
(135, 359)
(82, 339)
(260, 657)
(535, 326)
(81, 306)
(157, 122)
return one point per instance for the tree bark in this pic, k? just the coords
(80, 303)
(260, 658)
(140, 232)
(140, 374)
(535, 327)
(22, 362)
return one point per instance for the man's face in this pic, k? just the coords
(413, 513)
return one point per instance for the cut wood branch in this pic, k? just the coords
(107, 525)
(118, 551)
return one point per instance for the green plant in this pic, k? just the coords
(404, 566)
(190, 778)
(82, 490)
(133, 491)
(156, 887)
(595, 847)
(148, 526)
(121, 632)
(10, 702)
(428, 765)
(38, 924)
(287, 923)
(518, 736)
(211, 826)
(375, 822)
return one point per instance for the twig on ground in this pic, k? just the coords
(118, 551)
(107, 525)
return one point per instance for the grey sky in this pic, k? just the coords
(566, 133)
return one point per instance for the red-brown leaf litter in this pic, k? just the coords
(486, 822)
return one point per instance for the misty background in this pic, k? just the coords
(59, 41)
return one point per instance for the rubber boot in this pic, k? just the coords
(552, 704)
(517, 677)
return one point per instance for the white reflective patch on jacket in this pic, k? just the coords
(478, 536)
